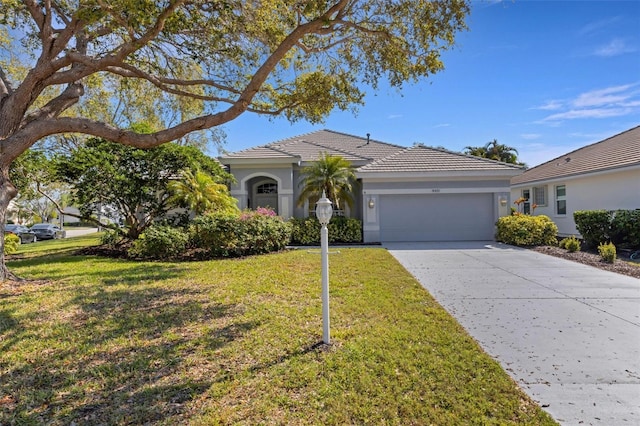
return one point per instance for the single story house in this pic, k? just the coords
(415, 193)
(604, 175)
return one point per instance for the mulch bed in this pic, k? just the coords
(622, 265)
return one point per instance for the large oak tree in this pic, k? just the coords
(66, 66)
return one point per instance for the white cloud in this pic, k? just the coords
(614, 48)
(441, 125)
(394, 116)
(595, 26)
(614, 101)
(550, 105)
(589, 113)
(610, 95)
(631, 104)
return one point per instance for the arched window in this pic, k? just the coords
(267, 188)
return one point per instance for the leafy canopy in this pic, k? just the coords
(95, 67)
(199, 192)
(121, 182)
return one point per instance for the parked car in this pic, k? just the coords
(24, 233)
(48, 231)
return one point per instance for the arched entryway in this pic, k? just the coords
(263, 192)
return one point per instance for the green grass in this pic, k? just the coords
(103, 341)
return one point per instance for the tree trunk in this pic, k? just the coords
(7, 192)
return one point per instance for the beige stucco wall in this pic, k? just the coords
(282, 175)
(607, 190)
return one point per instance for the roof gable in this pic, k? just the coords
(308, 147)
(621, 150)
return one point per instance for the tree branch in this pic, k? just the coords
(57, 105)
(95, 221)
(178, 82)
(39, 129)
(36, 14)
(5, 85)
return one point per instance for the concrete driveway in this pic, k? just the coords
(76, 232)
(569, 334)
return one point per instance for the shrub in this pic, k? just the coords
(607, 252)
(159, 242)
(616, 226)
(231, 235)
(525, 230)
(111, 238)
(563, 243)
(341, 230)
(570, 244)
(305, 231)
(11, 243)
(625, 227)
(593, 225)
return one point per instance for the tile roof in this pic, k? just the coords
(420, 158)
(621, 150)
(307, 147)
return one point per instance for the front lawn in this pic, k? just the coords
(102, 341)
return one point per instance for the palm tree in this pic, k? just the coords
(495, 151)
(501, 152)
(201, 193)
(331, 174)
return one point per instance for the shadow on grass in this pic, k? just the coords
(65, 267)
(115, 355)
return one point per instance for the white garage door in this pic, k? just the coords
(436, 217)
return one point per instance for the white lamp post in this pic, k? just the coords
(323, 213)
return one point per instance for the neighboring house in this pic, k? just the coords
(604, 175)
(403, 194)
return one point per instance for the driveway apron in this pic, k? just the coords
(567, 333)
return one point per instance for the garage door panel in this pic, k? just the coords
(436, 217)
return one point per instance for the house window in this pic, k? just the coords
(267, 188)
(561, 199)
(526, 205)
(540, 195)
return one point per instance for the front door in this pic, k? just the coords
(266, 195)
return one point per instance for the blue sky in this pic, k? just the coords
(545, 77)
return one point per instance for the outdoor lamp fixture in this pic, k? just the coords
(323, 213)
(372, 203)
(503, 201)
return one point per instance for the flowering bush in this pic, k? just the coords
(519, 202)
(525, 230)
(248, 214)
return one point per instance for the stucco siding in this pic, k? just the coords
(606, 191)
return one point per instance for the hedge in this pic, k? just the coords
(621, 227)
(230, 235)
(159, 242)
(341, 230)
(526, 230)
